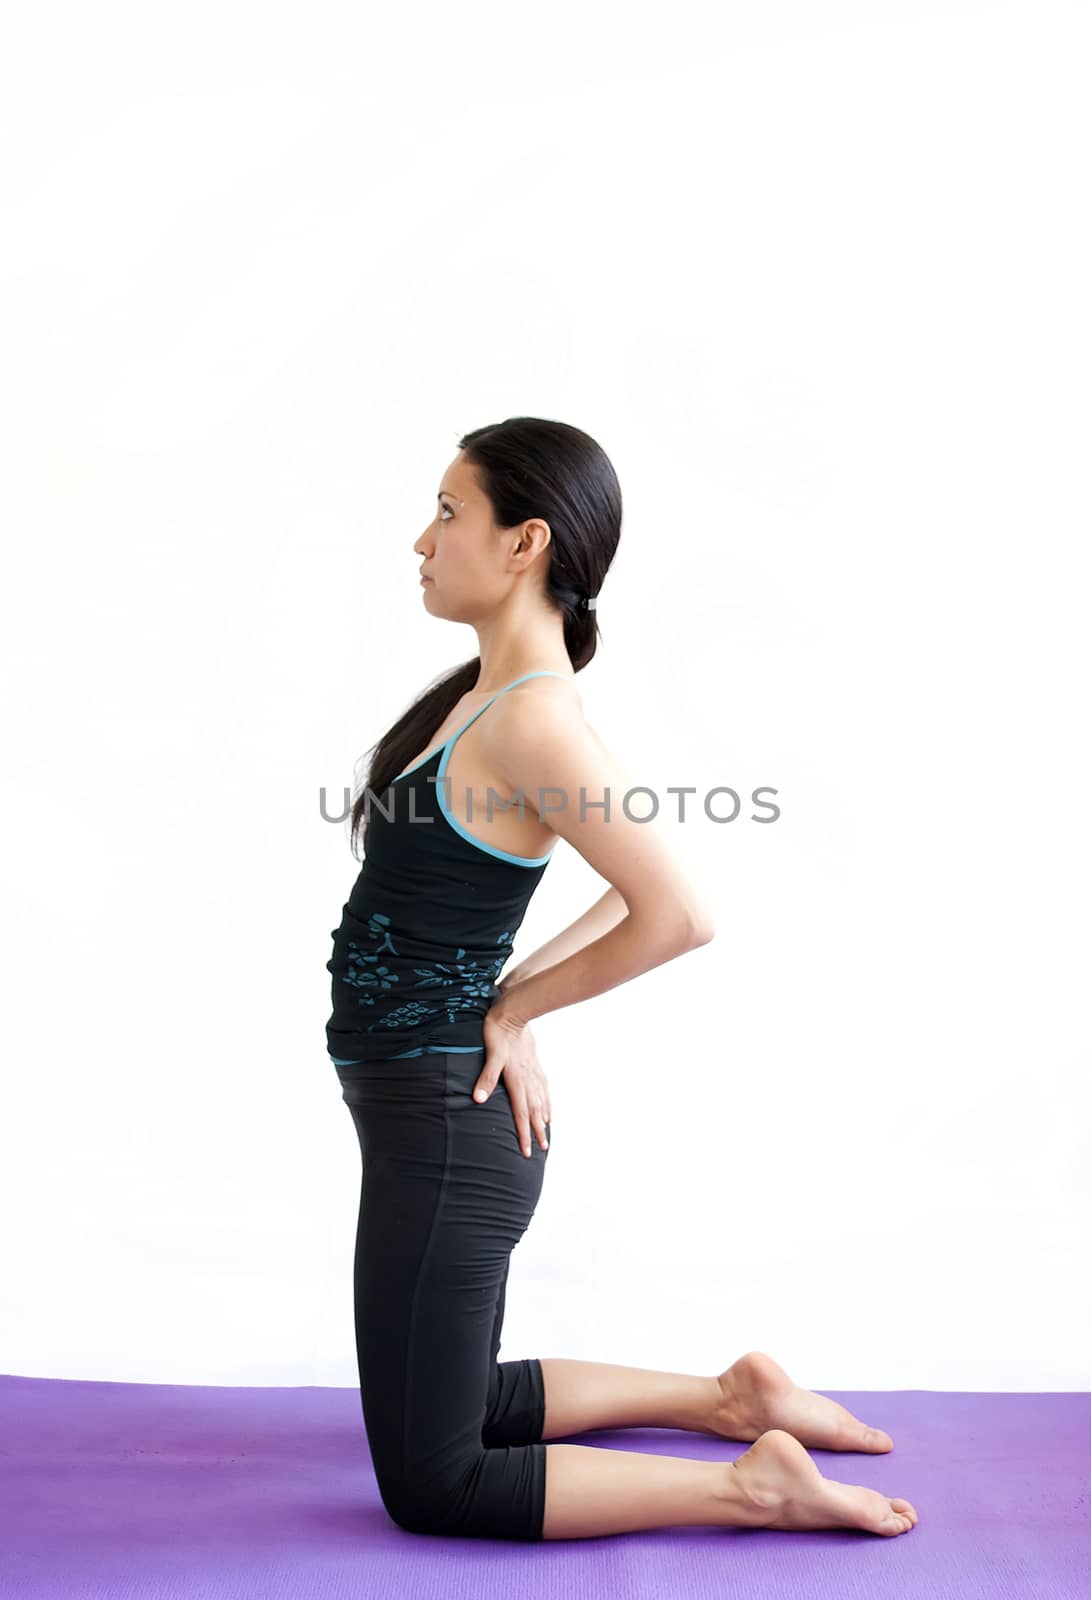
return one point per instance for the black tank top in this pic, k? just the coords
(429, 922)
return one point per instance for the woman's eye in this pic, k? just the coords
(448, 510)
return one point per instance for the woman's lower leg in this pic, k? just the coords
(582, 1395)
(752, 1396)
(591, 1492)
(774, 1484)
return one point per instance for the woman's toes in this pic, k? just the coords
(891, 1516)
(874, 1512)
(823, 1424)
(874, 1439)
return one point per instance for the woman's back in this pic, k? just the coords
(430, 920)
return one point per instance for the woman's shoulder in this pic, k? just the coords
(559, 691)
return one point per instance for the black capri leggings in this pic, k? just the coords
(446, 1194)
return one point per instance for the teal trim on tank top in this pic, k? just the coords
(448, 745)
(432, 1050)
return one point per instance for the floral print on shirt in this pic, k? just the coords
(458, 984)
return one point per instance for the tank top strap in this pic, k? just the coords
(540, 672)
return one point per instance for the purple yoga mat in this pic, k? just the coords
(133, 1490)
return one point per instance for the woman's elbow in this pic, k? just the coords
(694, 930)
(674, 936)
(702, 930)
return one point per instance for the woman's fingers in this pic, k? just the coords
(487, 1082)
(540, 1115)
(525, 1118)
(538, 1119)
(547, 1108)
(517, 1076)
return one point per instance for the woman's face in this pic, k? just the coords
(462, 553)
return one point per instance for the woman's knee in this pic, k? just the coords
(414, 1517)
(462, 1503)
(420, 1511)
(416, 1506)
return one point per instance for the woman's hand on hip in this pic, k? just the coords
(511, 1053)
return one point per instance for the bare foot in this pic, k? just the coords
(757, 1395)
(784, 1489)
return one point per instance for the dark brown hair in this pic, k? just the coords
(527, 467)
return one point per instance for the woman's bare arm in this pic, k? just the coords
(572, 780)
(598, 919)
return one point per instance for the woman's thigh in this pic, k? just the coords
(446, 1195)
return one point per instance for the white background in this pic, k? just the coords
(815, 277)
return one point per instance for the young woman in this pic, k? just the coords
(465, 799)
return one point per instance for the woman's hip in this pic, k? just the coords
(417, 1120)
